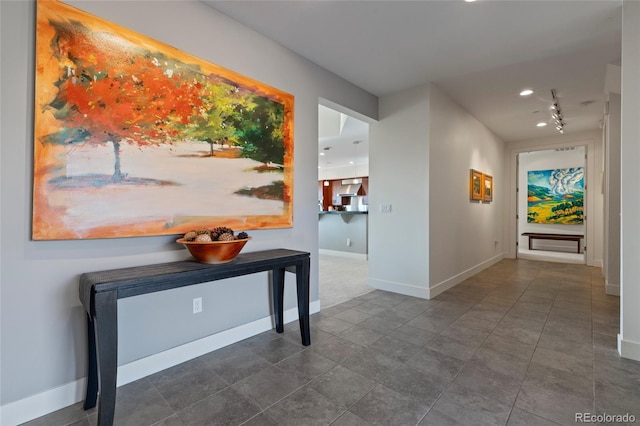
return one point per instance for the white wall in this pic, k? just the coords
(611, 231)
(629, 337)
(465, 236)
(399, 176)
(43, 325)
(594, 209)
(348, 171)
(546, 160)
(421, 152)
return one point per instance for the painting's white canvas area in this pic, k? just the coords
(202, 186)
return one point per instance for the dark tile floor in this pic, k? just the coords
(521, 343)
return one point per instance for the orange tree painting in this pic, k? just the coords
(134, 137)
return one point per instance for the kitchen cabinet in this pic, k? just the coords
(328, 195)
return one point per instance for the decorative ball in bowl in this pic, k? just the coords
(216, 245)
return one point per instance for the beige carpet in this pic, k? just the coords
(341, 279)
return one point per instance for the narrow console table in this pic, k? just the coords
(100, 291)
(557, 237)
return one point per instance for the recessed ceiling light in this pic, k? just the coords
(526, 92)
(541, 124)
(469, 1)
(322, 153)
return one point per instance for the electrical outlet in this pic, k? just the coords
(197, 305)
(348, 242)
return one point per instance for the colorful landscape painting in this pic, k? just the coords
(134, 137)
(556, 196)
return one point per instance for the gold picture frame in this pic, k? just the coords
(487, 188)
(476, 185)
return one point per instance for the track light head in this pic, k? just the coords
(556, 114)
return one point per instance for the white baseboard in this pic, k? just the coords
(628, 349)
(457, 279)
(57, 398)
(550, 257)
(431, 292)
(362, 256)
(401, 288)
(612, 289)
(43, 403)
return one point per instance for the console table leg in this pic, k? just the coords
(106, 309)
(278, 298)
(302, 284)
(91, 395)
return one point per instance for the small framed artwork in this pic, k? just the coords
(487, 188)
(476, 185)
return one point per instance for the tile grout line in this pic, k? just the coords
(524, 377)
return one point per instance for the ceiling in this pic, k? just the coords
(482, 54)
(343, 145)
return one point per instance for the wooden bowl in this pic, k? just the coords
(214, 251)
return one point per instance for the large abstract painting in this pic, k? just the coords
(556, 196)
(134, 137)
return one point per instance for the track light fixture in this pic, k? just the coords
(556, 113)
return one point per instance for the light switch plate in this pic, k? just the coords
(385, 208)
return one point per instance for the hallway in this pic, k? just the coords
(521, 343)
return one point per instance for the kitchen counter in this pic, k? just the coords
(343, 231)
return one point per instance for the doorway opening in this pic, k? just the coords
(343, 187)
(551, 205)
